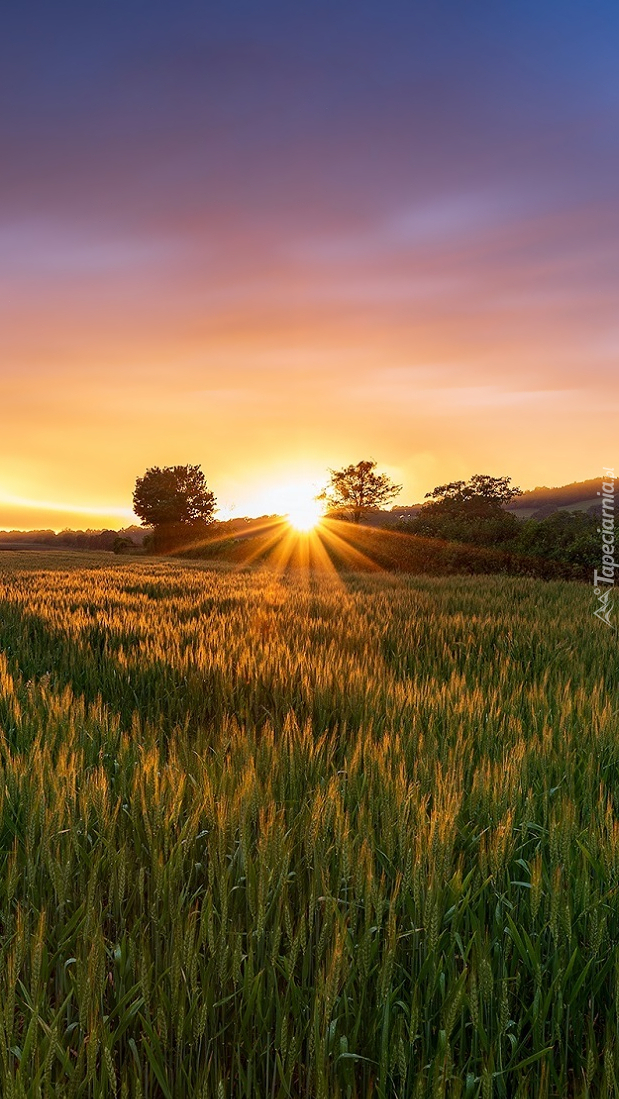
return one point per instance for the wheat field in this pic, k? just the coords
(292, 835)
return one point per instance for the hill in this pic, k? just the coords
(542, 501)
(536, 502)
(340, 546)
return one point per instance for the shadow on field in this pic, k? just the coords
(199, 698)
(86, 665)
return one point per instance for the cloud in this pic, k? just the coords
(447, 222)
(44, 248)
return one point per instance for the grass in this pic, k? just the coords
(305, 835)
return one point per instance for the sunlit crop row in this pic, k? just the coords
(307, 836)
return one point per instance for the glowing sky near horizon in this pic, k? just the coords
(272, 238)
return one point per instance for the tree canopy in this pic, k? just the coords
(172, 495)
(489, 492)
(357, 488)
(469, 511)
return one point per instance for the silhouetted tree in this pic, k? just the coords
(469, 511)
(482, 491)
(121, 544)
(173, 500)
(356, 489)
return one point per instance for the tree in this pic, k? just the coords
(174, 495)
(121, 544)
(571, 536)
(355, 489)
(469, 511)
(482, 492)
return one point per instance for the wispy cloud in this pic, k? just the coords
(7, 498)
(448, 221)
(43, 247)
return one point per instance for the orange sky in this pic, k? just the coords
(313, 259)
(282, 401)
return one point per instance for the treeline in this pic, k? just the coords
(570, 537)
(133, 536)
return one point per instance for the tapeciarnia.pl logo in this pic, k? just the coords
(604, 580)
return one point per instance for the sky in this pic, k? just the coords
(275, 237)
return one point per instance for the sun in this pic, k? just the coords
(304, 512)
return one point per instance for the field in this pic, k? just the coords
(305, 835)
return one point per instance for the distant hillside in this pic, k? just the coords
(578, 496)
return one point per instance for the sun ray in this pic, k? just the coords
(280, 556)
(254, 528)
(262, 546)
(319, 558)
(352, 557)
